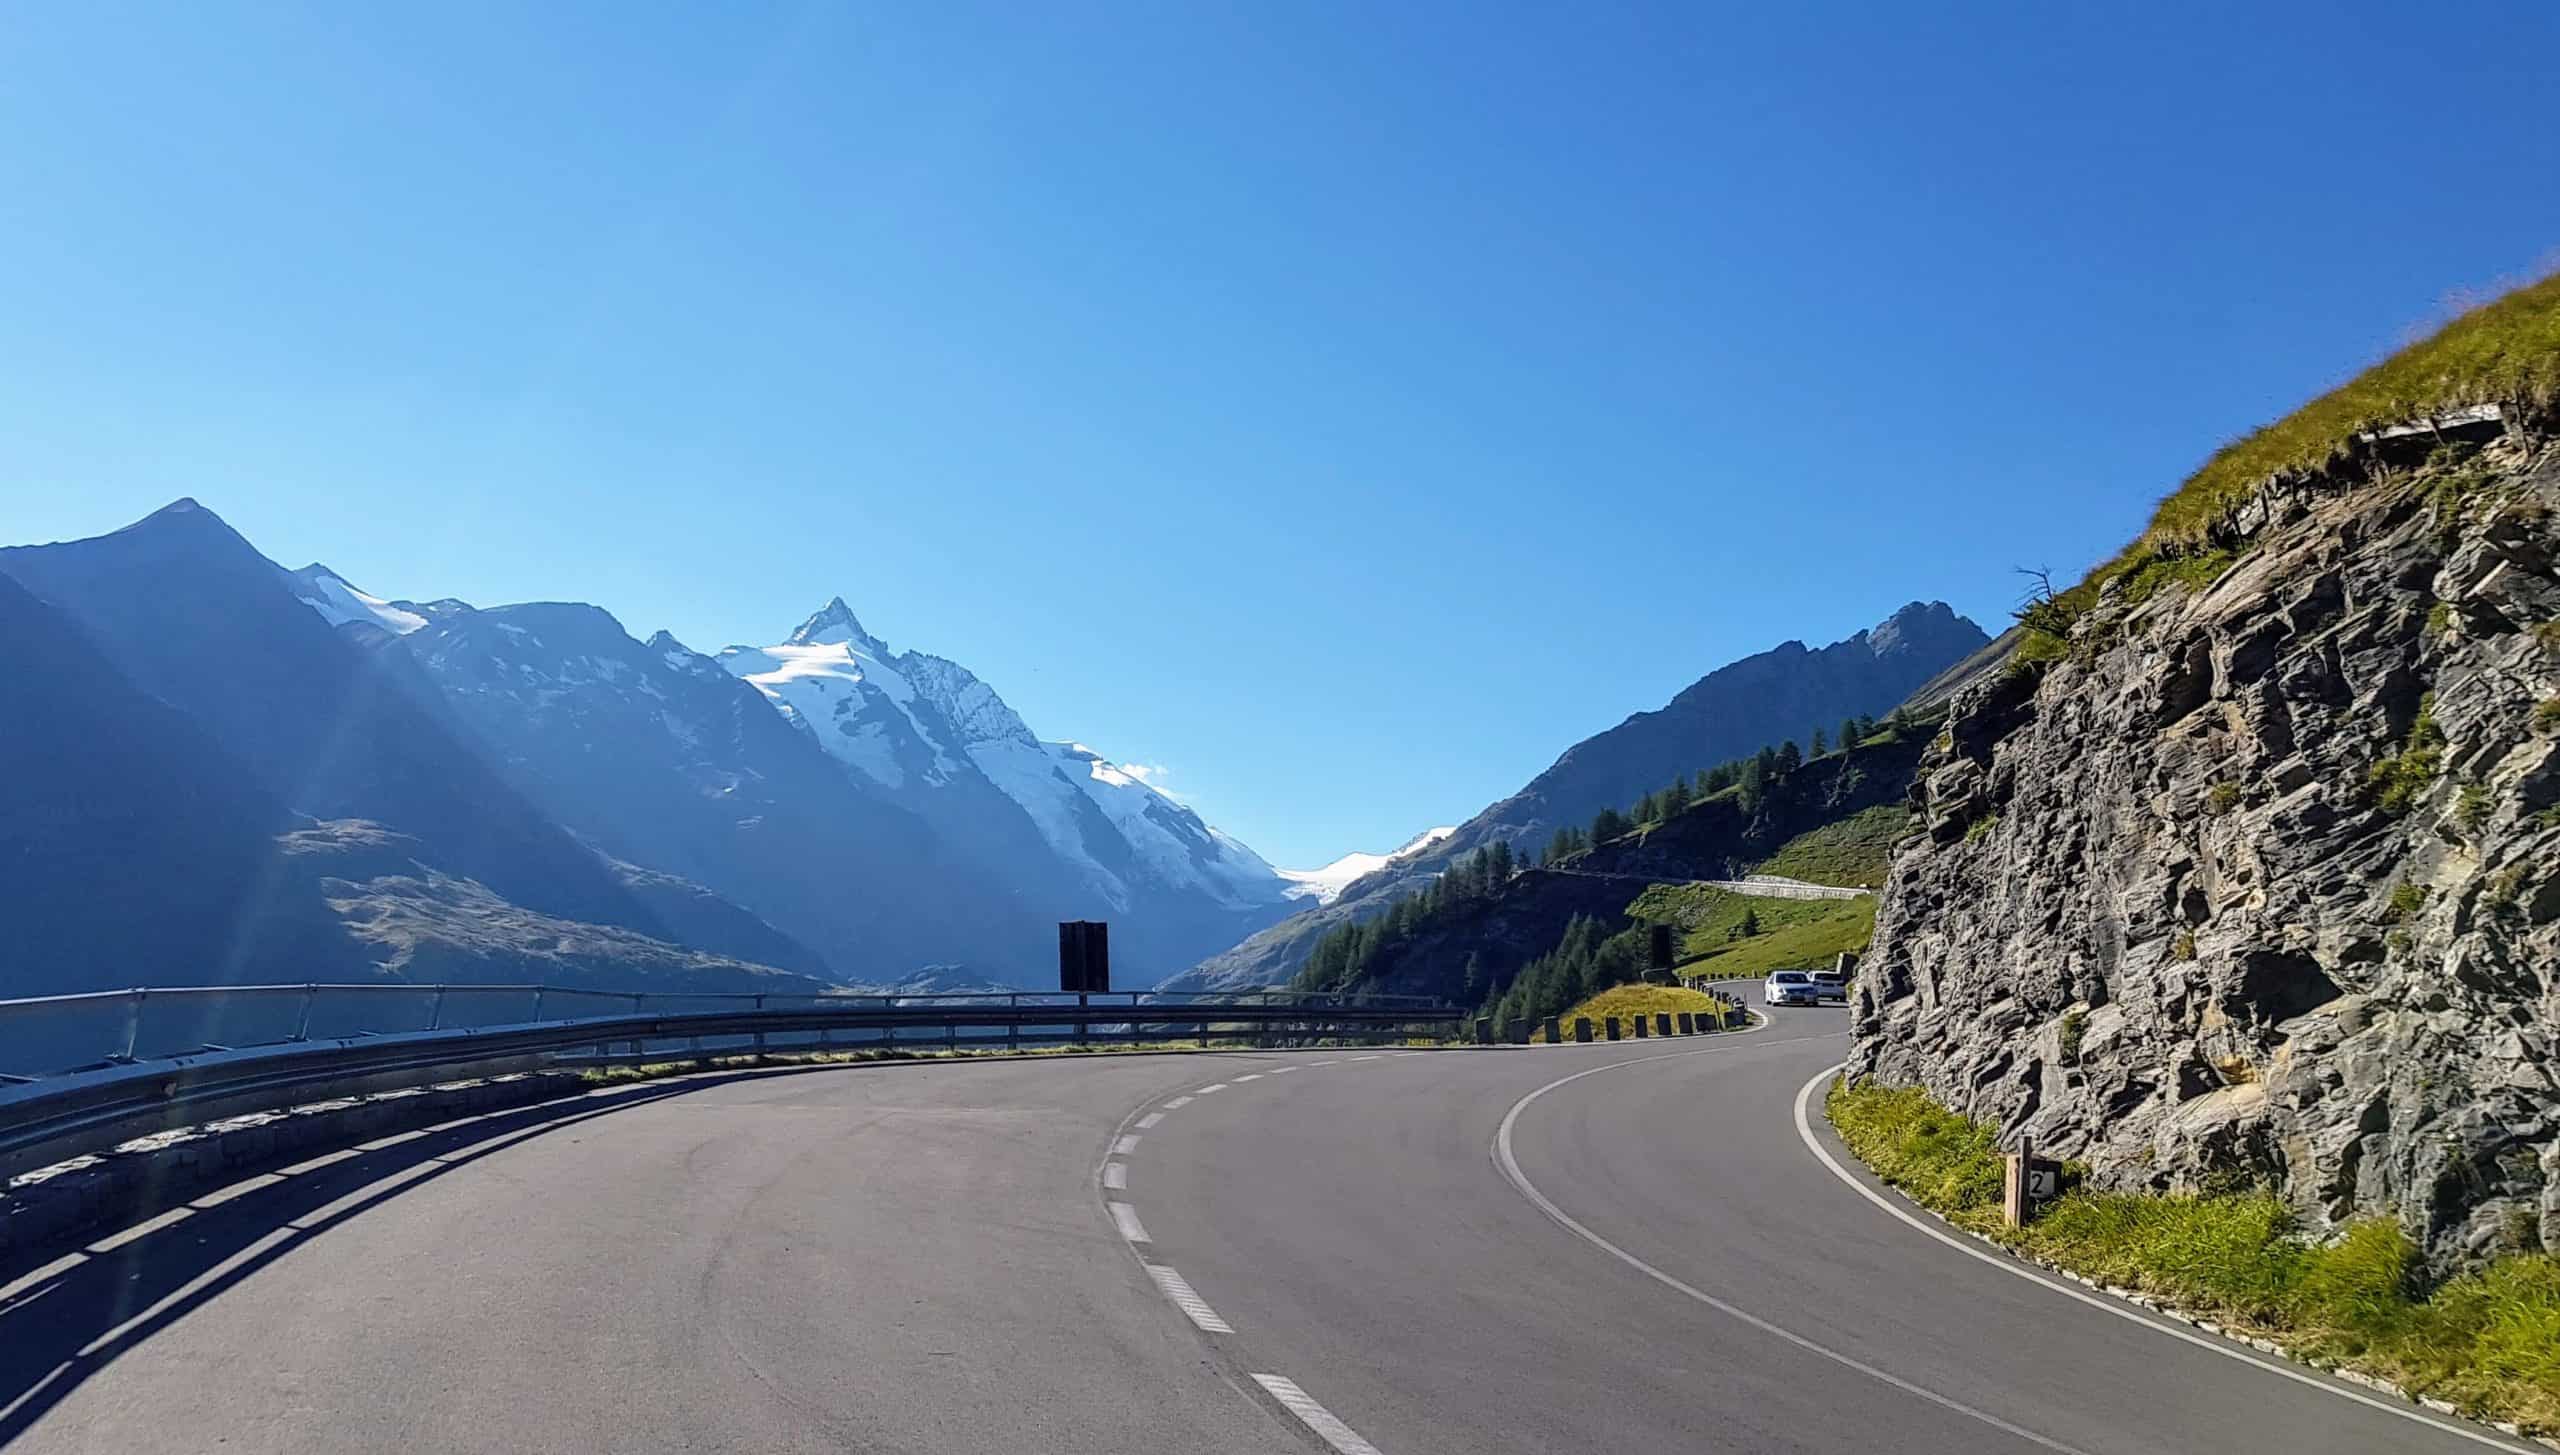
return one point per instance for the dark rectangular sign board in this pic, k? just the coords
(1084, 956)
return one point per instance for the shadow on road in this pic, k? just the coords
(66, 1319)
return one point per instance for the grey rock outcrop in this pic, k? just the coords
(2261, 882)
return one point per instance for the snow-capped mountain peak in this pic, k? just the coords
(913, 723)
(1325, 885)
(834, 624)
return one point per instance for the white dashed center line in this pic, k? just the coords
(1178, 1103)
(1336, 1062)
(1282, 1070)
(1355, 1058)
(1130, 1228)
(1212, 1086)
(1125, 1145)
(1185, 1299)
(1115, 1175)
(1241, 1080)
(1319, 1419)
(1149, 1120)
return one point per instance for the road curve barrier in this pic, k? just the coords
(150, 1060)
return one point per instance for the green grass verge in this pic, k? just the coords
(2488, 1341)
(1629, 1001)
(1852, 852)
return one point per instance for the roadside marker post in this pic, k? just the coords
(1641, 1032)
(1555, 1031)
(1688, 1024)
(1662, 1023)
(1613, 1027)
(1484, 1030)
(1582, 1029)
(2026, 1181)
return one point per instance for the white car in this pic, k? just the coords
(1832, 985)
(1790, 987)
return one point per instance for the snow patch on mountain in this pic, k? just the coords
(338, 602)
(1325, 885)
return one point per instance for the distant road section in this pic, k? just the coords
(1767, 886)
(1613, 1247)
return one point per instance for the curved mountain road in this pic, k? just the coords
(1607, 1247)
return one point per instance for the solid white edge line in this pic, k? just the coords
(1188, 1299)
(1115, 1176)
(1127, 1219)
(1509, 1166)
(1315, 1416)
(1804, 1130)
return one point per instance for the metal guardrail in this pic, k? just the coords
(126, 1093)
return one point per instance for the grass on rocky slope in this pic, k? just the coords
(1629, 1001)
(2505, 352)
(2488, 1341)
(1852, 852)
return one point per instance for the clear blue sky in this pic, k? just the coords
(1347, 406)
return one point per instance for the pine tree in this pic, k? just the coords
(1790, 757)
(1819, 746)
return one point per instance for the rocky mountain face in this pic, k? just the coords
(192, 615)
(129, 841)
(1761, 700)
(2261, 880)
(135, 849)
(664, 761)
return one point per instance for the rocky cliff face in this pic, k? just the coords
(2261, 881)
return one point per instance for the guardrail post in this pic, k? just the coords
(302, 1020)
(1612, 1027)
(1662, 1023)
(537, 1000)
(1484, 1030)
(1582, 1029)
(435, 1010)
(133, 1022)
(759, 1034)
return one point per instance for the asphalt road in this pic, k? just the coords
(929, 1259)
